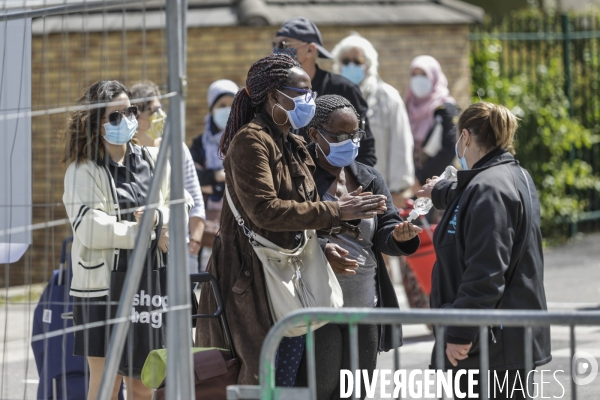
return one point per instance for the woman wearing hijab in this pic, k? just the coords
(431, 111)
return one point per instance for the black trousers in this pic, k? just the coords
(504, 390)
(332, 354)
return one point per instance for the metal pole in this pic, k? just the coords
(179, 336)
(353, 328)
(132, 277)
(568, 91)
(572, 345)
(66, 9)
(440, 348)
(311, 363)
(567, 60)
(485, 363)
(528, 358)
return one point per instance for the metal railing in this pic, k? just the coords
(179, 327)
(526, 319)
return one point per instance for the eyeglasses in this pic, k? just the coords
(154, 110)
(115, 117)
(354, 136)
(308, 93)
(356, 61)
(284, 44)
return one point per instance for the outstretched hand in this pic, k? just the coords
(426, 189)
(340, 264)
(405, 231)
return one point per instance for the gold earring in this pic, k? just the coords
(273, 116)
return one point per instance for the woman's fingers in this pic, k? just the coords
(336, 257)
(342, 271)
(457, 352)
(357, 191)
(340, 250)
(451, 357)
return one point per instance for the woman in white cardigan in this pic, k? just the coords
(356, 59)
(107, 181)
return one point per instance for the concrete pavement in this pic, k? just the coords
(572, 279)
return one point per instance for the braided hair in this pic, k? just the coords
(325, 106)
(265, 75)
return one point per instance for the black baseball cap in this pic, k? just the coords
(304, 30)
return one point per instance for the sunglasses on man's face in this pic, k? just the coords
(284, 44)
(356, 61)
(115, 117)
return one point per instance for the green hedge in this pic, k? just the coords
(547, 140)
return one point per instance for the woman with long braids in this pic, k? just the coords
(269, 176)
(354, 253)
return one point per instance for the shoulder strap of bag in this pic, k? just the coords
(527, 231)
(247, 231)
(254, 238)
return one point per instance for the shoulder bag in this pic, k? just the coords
(295, 279)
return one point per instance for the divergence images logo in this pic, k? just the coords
(584, 368)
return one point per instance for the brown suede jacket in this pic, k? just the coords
(269, 177)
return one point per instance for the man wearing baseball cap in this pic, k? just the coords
(301, 39)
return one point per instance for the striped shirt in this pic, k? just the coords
(191, 184)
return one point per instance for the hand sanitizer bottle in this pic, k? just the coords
(424, 204)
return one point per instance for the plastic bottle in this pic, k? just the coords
(424, 204)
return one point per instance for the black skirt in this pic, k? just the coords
(91, 342)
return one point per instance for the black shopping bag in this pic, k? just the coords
(147, 330)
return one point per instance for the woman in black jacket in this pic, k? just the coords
(489, 245)
(355, 250)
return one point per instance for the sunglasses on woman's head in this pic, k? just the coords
(115, 117)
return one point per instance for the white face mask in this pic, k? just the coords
(421, 86)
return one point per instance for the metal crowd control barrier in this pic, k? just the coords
(526, 319)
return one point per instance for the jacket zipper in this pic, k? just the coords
(492, 332)
(116, 207)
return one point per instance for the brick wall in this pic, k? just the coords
(64, 65)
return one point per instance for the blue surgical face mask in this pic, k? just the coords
(462, 160)
(121, 133)
(288, 51)
(354, 73)
(303, 111)
(341, 154)
(220, 117)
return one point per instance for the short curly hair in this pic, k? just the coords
(326, 105)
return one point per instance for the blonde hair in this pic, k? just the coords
(491, 125)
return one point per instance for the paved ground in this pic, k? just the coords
(572, 282)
